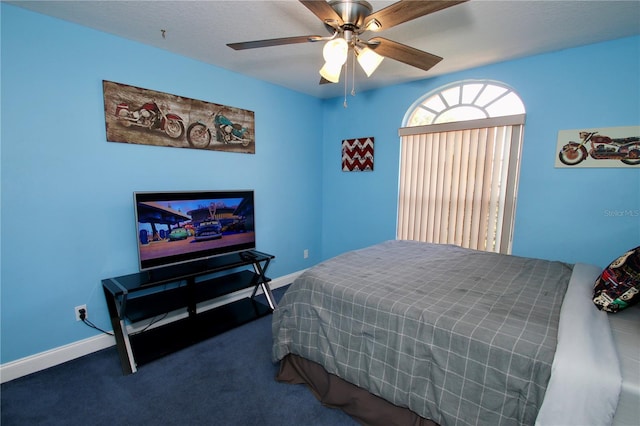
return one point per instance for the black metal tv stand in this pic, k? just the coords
(151, 294)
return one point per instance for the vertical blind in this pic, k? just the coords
(458, 183)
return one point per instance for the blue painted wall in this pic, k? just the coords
(67, 204)
(574, 215)
(67, 212)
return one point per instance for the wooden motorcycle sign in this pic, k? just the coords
(596, 146)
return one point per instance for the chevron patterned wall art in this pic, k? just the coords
(357, 155)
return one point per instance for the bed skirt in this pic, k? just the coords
(332, 391)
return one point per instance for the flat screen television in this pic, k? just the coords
(185, 226)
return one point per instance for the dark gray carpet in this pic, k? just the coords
(226, 380)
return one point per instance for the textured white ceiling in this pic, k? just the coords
(468, 35)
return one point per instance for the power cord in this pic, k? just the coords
(83, 317)
(153, 321)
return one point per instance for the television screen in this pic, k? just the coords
(177, 227)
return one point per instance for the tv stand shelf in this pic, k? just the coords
(151, 294)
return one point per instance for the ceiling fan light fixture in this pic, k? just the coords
(373, 25)
(335, 51)
(368, 59)
(331, 71)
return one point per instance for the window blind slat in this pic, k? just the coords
(455, 187)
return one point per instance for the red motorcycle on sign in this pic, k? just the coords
(151, 116)
(626, 150)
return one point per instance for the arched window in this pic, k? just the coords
(459, 166)
(463, 101)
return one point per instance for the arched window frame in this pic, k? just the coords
(447, 196)
(464, 100)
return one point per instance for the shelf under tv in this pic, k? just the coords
(150, 294)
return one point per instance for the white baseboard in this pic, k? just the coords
(43, 360)
(31, 364)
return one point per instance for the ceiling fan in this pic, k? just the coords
(347, 20)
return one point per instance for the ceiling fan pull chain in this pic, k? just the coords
(353, 74)
(346, 70)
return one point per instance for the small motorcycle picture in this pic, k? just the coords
(601, 147)
(199, 134)
(151, 116)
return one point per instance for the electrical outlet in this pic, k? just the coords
(77, 311)
(305, 253)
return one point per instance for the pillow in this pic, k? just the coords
(618, 287)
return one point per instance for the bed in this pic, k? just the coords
(626, 334)
(405, 332)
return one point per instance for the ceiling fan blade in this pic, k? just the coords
(403, 53)
(406, 10)
(324, 81)
(272, 42)
(324, 11)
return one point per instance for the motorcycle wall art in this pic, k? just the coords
(607, 147)
(143, 116)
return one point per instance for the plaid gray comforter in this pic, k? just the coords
(459, 336)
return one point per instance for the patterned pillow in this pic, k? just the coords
(618, 287)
